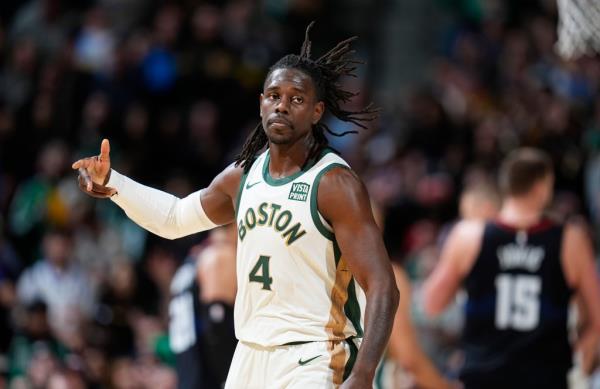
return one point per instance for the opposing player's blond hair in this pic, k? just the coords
(522, 169)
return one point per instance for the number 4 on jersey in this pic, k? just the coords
(262, 265)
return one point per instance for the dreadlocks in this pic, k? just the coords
(325, 73)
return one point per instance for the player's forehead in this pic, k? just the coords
(291, 78)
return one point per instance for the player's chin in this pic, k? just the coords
(280, 137)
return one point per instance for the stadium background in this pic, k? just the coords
(174, 85)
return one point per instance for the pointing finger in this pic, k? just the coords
(104, 150)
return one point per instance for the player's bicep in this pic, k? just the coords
(218, 199)
(580, 270)
(344, 202)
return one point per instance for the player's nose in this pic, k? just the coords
(282, 106)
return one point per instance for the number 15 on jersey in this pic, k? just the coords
(517, 302)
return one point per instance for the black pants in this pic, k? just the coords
(218, 339)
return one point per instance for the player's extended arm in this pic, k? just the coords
(344, 202)
(159, 212)
(404, 347)
(582, 275)
(457, 258)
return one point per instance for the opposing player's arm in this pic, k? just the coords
(405, 348)
(159, 212)
(457, 258)
(344, 202)
(582, 275)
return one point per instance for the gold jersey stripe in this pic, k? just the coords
(339, 295)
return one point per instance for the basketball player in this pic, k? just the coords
(216, 279)
(519, 273)
(201, 326)
(404, 347)
(307, 241)
(184, 328)
(404, 350)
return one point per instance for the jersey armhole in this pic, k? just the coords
(239, 195)
(241, 188)
(320, 222)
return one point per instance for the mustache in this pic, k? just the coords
(279, 119)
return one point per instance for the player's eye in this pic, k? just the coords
(273, 96)
(297, 99)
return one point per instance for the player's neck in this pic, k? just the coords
(288, 159)
(520, 212)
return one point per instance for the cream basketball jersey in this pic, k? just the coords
(293, 282)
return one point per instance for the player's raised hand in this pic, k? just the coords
(94, 171)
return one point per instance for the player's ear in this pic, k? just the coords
(318, 113)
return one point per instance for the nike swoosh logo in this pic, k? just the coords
(248, 186)
(302, 363)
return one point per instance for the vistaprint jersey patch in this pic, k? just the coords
(299, 191)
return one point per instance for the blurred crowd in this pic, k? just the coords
(174, 85)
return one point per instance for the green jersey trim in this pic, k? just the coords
(297, 343)
(352, 307)
(240, 190)
(314, 208)
(351, 358)
(286, 180)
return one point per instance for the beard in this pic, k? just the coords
(279, 137)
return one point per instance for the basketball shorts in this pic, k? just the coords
(295, 366)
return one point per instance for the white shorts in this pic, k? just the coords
(303, 366)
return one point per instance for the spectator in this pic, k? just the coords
(61, 284)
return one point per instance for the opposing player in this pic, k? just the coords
(201, 312)
(519, 273)
(217, 284)
(404, 347)
(307, 242)
(404, 350)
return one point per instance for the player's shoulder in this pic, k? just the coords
(577, 249)
(331, 156)
(464, 244)
(333, 174)
(466, 237)
(340, 186)
(229, 179)
(468, 229)
(233, 172)
(335, 170)
(576, 229)
(340, 189)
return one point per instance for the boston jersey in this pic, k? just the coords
(293, 283)
(516, 312)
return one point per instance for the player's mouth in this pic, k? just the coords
(279, 122)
